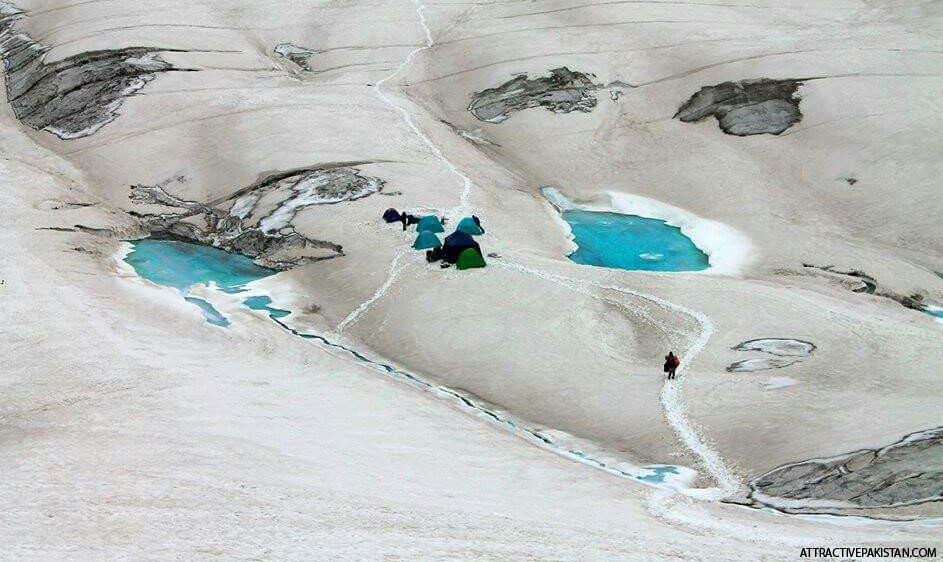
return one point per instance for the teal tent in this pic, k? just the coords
(469, 226)
(429, 223)
(426, 240)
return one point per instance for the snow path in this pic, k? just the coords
(671, 398)
(467, 183)
(364, 306)
(673, 402)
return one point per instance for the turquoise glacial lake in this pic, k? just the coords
(631, 242)
(181, 265)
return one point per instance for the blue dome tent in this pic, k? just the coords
(391, 215)
(455, 243)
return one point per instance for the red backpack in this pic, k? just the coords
(677, 361)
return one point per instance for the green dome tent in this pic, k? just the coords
(426, 240)
(429, 223)
(469, 226)
(455, 244)
(470, 258)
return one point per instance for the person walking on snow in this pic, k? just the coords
(672, 362)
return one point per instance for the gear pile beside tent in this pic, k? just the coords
(458, 248)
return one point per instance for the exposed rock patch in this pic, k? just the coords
(476, 136)
(762, 364)
(76, 96)
(317, 187)
(617, 89)
(779, 382)
(256, 221)
(56, 228)
(862, 283)
(913, 302)
(561, 92)
(95, 231)
(747, 107)
(298, 55)
(870, 286)
(89, 251)
(904, 473)
(54, 205)
(783, 347)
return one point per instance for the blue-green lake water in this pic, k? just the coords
(181, 265)
(630, 242)
(262, 302)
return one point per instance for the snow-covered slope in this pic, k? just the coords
(283, 129)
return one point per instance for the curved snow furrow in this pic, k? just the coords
(575, 285)
(671, 399)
